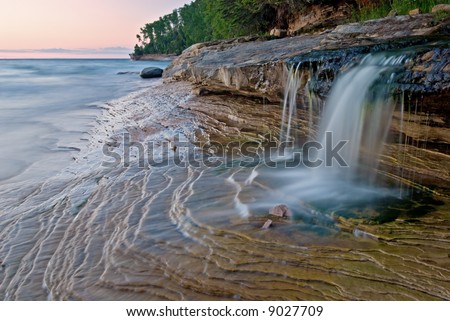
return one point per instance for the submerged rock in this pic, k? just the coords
(128, 73)
(281, 210)
(151, 72)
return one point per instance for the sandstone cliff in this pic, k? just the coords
(256, 68)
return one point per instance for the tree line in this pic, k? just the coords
(205, 20)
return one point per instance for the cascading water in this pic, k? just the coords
(290, 103)
(358, 111)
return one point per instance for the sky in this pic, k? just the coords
(76, 28)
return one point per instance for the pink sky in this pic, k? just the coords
(75, 28)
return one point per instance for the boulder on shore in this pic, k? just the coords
(151, 72)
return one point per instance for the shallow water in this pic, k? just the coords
(94, 232)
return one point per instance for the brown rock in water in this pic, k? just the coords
(427, 56)
(414, 12)
(441, 7)
(281, 211)
(267, 225)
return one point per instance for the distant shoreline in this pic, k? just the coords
(153, 57)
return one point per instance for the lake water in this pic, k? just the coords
(47, 106)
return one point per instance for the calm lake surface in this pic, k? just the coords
(47, 106)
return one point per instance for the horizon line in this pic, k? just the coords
(64, 53)
(63, 58)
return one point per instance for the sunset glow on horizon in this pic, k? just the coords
(76, 28)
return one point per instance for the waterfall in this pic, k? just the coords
(358, 111)
(290, 103)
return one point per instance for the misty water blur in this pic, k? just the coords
(48, 105)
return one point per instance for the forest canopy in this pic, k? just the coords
(206, 20)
